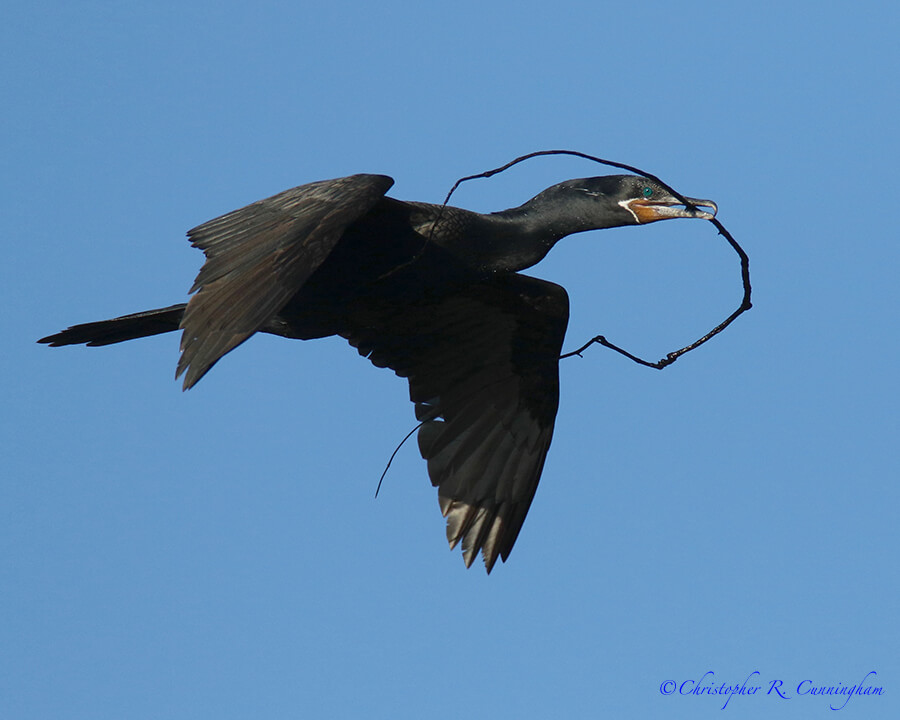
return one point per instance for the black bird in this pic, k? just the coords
(432, 292)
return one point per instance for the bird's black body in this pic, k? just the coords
(433, 293)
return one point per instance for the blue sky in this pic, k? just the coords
(219, 553)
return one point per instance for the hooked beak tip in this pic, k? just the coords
(696, 206)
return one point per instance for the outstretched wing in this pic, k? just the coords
(483, 369)
(258, 257)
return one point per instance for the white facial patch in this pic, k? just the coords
(627, 205)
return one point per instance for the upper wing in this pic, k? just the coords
(483, 369)
(258, 257)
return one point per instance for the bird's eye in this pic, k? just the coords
(648, 191)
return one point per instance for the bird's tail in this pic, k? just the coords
(127, 327)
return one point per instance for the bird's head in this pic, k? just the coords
(576, 206)
(615, 200)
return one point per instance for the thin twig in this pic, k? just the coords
(394, 454)
(674, 355)
(612, 163)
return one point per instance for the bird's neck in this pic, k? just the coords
(508, 241)
(522, 236)
(481, 243)
(505, 241)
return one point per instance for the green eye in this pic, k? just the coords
(648, 191)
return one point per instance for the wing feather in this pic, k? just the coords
(258, 257)
(483, 370)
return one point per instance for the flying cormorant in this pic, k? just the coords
(432, 292)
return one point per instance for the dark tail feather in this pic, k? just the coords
(127, 327)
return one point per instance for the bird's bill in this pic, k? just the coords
(647, 211)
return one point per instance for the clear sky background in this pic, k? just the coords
(219, 553)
